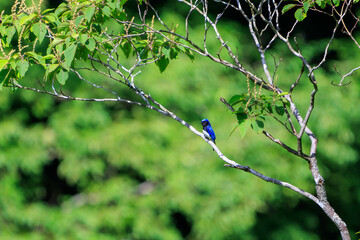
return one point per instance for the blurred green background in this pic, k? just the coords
(85, 170)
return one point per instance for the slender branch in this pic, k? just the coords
(277, 182)
(344, 76)
(286, 147)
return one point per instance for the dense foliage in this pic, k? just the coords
(86, 170)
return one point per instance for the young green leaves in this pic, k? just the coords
(251, 110)
(75, 30)
(304, 6)
(71, 31)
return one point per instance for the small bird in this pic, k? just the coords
(208, 130)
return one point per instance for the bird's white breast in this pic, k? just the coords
(206, 134)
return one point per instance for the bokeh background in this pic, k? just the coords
(85, 170)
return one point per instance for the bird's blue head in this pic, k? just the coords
(205, 122)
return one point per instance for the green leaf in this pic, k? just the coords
(34, 55)
(47, 10)
(61, 9)
(244, 126)
(122, 2)
(52, 67)
(285, 101)
(144, 52)
(62, 76)
(4, 77)
(300, 14)
(162, 63)
(90, 44)
(22, 67)
(241, 117)
(280, 110)
(236, 99)
(288, 7)
(336, 2)
(166, 50)
(321, 3)
(26, 19)
(83, 38)
(69, 55)
(75, 35)
(258, 126)
(64, 26)
(18, 26)
(307, 5)
(112, 5)
(283, 94)
(3, 30)
(189, 54)
(39, 29)
(9, 33)
(56, 41)
(120, 15)
(78, 20)
(269, 107)
(47, 57)
(107, 11)
(59, 48)
(3, 63)
(126, 47)
(52, 18)
(173, 53)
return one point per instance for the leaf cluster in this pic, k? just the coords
(252, 109)
(303, 7)
(73, 31)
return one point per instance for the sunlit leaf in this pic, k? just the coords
(236, 99)
(28, 18)
(62, 76)
(83, 38)
(51, 18)
(52, 67)
(10, 34)
(107, 11)
(3, 63)
(321, 3)
(78, 20)
(300, 14)
(34, 55)
(166, 50)
(90, 44)
(283, 94)
(244, 126)
(89, 12)
(306, 6)
(22, 66)
(39, 29)
(69, 55)
(336, 2)
(47, 10)
(4, 77)
(288, 7)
